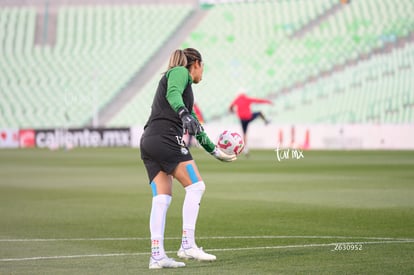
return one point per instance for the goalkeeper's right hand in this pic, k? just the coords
(190, 124)
(220, 155)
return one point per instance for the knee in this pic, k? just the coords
(198, 186)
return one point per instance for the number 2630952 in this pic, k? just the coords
(348, 247)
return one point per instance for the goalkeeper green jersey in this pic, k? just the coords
(174, 91)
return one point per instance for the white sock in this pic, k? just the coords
(191, 206)
(160, 204)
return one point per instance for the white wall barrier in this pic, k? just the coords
(322, 137)
(9, 138)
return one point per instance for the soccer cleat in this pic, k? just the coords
(195, 253)
(164, 263)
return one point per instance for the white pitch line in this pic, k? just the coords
(73, 257)
(203, 238)
(77, 239)
(214, 249)
(308, 245)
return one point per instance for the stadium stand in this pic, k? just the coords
(215, 38)
(98, 50)
(374, 91)
(255, 45)
(320, 61)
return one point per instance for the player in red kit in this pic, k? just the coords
(241, 105)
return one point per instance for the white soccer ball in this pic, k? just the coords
(230, 142)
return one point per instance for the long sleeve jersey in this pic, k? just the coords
(174, 91)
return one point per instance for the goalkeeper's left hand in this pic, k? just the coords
(220, 155)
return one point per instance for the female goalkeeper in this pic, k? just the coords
(166, 156)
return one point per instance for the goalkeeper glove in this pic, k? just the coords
(190, 124)
(220, 155)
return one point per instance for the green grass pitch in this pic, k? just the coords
(86, 211)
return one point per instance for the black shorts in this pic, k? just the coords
(163, 153)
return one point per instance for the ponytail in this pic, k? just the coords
(185, 58)
(177, 58)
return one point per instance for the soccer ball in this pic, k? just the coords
(230, 142)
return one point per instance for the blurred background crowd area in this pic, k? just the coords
(97, 63)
